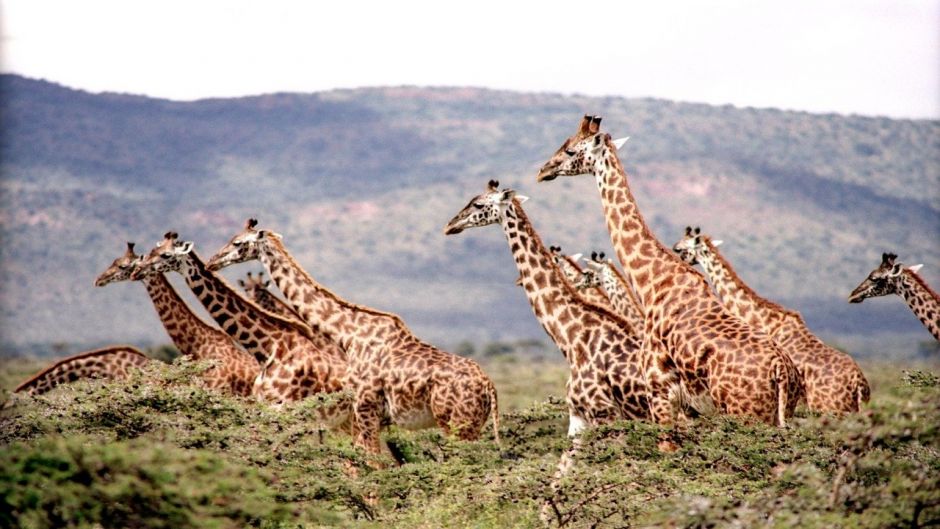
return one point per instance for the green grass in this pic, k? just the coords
(156, 451)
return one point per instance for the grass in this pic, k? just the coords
(157, 451)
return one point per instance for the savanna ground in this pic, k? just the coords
(158, 451)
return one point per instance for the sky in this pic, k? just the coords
(865, 57)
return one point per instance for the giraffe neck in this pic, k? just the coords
(922, 300)
(735, 294)
(185, 329)
(552, 299)
(653, 268)
(257, 331)
(345, 322)
(621, 296)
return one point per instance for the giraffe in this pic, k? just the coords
(605, 379)
(601, 272)
(300, 363)
(114, 362)
(257, 289)
(892, 278)
(832, 381)
(571, 271)
(606, 376)
(394, 376)
(696, 346)
(233, 370)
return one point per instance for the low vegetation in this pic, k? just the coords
(158, 451)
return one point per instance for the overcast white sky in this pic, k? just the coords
(849, 56)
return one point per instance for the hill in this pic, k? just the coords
(360, 183)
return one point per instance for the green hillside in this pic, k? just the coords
(360, 183)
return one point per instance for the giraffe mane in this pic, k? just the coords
(921, 282)
(96, 352)
(617, 167)
(565, 285)
(348, 304)
(761, 300)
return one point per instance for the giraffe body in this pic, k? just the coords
(694, 344)
(831, 379)
(394, 376)
(299, 363)
(606, 371)
(115, 362)
(892, 277)
(232, 370)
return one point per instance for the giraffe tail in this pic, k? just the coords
(862, 390)
(782, 383)
(494, 409)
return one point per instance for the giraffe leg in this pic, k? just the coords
(368, 421)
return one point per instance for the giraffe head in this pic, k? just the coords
(593, 274)
(578, 153)
(882, 281)
(693, 247)
(254, 284)
(483, 210)
(167, 256)
(245, 246)
(120, 269)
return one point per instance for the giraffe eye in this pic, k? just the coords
(478, 205)
(569, 152)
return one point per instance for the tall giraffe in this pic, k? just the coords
(892, 277)
(300, 363)
(572, 273)
(606, 379)
(393, 375)
(696, 344)
(257, 289)
(115, 362)
(832, 381)
(233, 369)
(602, 273)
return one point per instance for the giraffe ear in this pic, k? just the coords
(185, 247)
(576, 257)
(896, 270)
(915, 268)
(618, 143)
(719, 242)
(521, 198)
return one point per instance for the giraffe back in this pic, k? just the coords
(115, 362)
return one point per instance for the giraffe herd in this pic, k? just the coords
(658, 341)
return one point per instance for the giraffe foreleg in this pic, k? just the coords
(367, 411)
